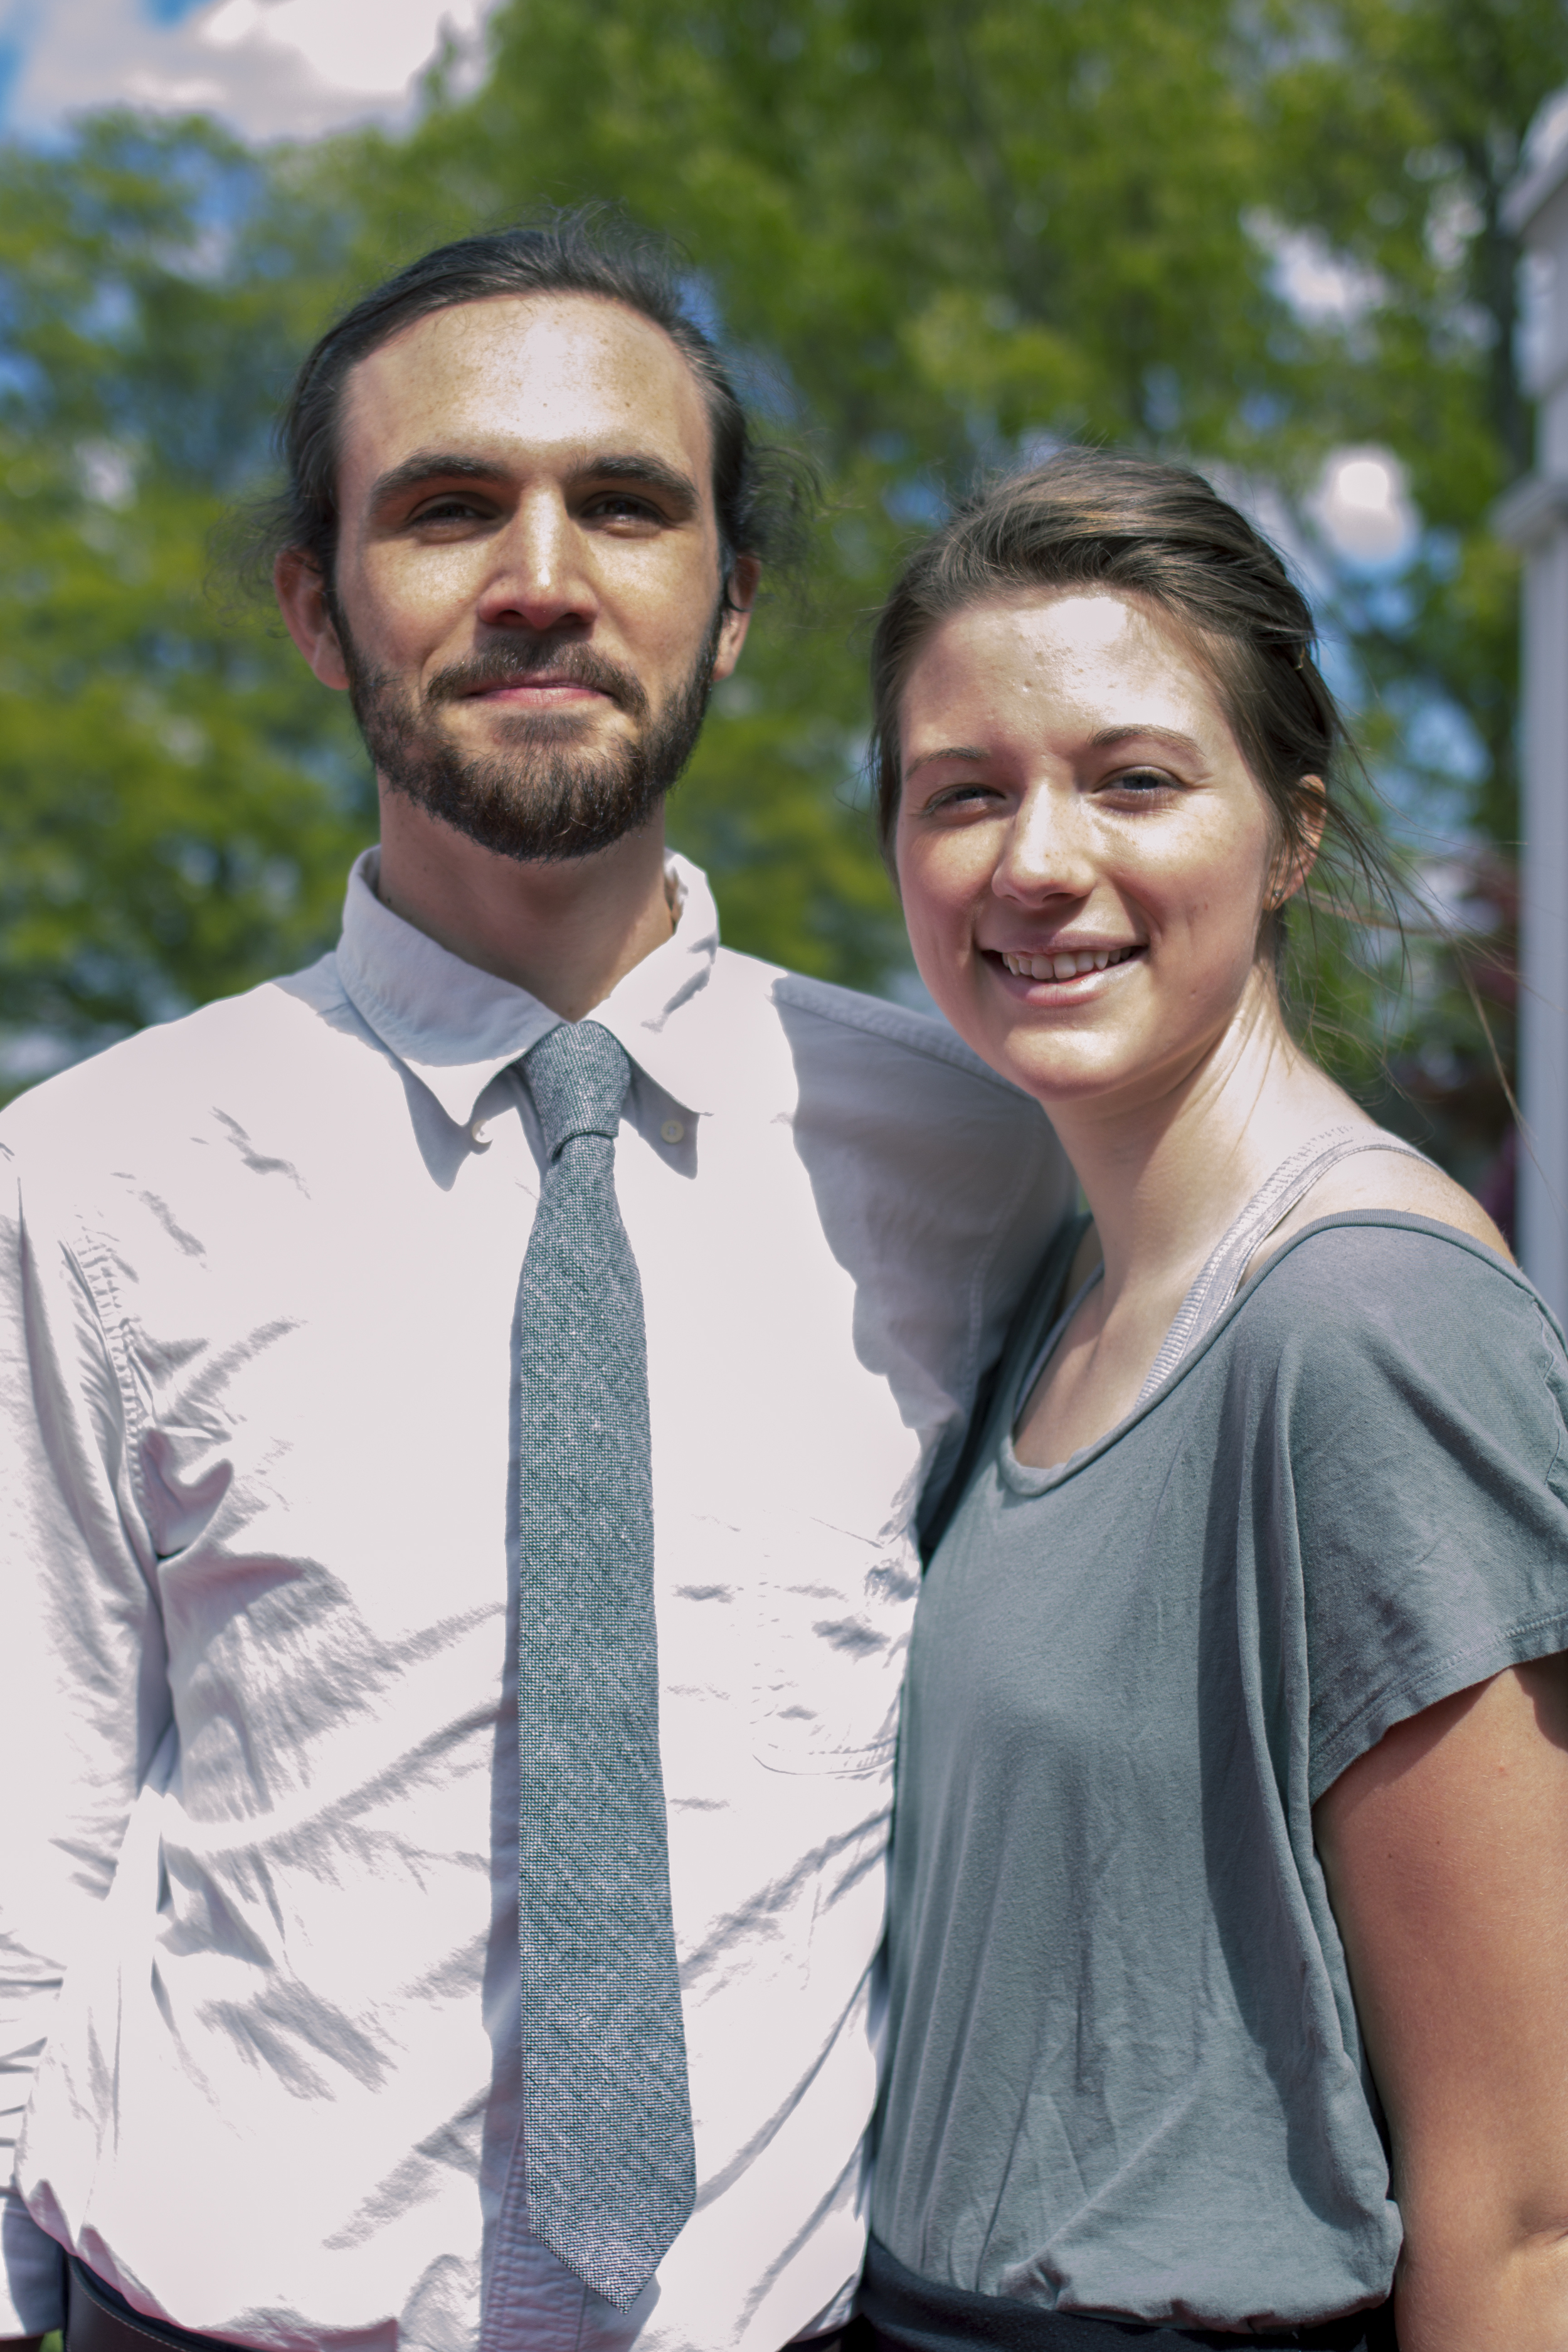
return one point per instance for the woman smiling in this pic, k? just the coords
(1229, 1942)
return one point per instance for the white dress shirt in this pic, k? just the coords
(259, 1855)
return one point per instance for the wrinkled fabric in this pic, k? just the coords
(611, 2172)
(259, 1281)
(1126, 2075)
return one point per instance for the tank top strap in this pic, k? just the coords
(1220, 1276)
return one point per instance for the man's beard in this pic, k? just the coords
(538, 797)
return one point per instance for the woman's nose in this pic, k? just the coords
(1046, 853)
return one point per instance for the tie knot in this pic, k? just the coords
(578, 1077)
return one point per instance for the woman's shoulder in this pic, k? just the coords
(1381, 1307)
(1387, 1180)
(1403, 1388)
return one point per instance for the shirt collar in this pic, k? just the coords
(456, 1027)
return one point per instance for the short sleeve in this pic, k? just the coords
(1419, 1387)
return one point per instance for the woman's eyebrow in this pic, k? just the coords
(1108, 737)
(951, 751)
(1105, 738)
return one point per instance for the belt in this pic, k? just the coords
(98, 2320)
(911, 2314)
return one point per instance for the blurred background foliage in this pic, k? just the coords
(936, 239)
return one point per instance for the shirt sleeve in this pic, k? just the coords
(1419, 1434)
(85, 1697)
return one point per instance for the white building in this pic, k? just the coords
(1534, 517)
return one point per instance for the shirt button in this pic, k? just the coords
(479, 1134)
(673, 1131)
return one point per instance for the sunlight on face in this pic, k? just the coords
(529, 470)
(1083, 852)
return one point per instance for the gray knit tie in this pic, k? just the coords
(607, 2120)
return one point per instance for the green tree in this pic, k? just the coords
(1395, 133)
(934, 239)
(934, 235)
(176, 800)
(1396, 136)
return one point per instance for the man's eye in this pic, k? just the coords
(619, 505)
(446, 509)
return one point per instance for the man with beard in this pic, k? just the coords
(464, 1411)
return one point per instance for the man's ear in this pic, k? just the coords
(301, 595)
(1293, 868)
(740, 595)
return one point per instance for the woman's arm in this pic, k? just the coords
(1446, 1851)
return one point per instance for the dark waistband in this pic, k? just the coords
(916, 2315)
(97, 2319)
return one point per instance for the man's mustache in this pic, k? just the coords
(517, 664)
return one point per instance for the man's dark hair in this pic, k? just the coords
(762, 496)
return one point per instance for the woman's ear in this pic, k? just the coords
(1294, 862)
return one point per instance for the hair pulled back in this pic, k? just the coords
(1110, 518)
(762, 496)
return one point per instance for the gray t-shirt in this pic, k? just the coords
(1126, 2072)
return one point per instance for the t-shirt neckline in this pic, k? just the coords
(1023, 1479)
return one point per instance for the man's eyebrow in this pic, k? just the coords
(431, 465)
(637, 466)
(449, 465)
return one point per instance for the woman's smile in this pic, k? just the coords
(1062, 964)
(1085, 857)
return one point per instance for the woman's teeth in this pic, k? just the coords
(1064, 967)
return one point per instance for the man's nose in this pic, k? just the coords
(1046, 851)
(540, 578)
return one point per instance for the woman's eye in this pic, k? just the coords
(959, 795)
(1142, 779)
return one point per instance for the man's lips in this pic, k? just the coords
(504, 689)
(562, 676)
(1065, 963)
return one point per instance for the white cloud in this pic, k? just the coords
(106, 471)
(271, 68)
(1362, 507)
(1318, 284)
(1453, 221)
(334, 40)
